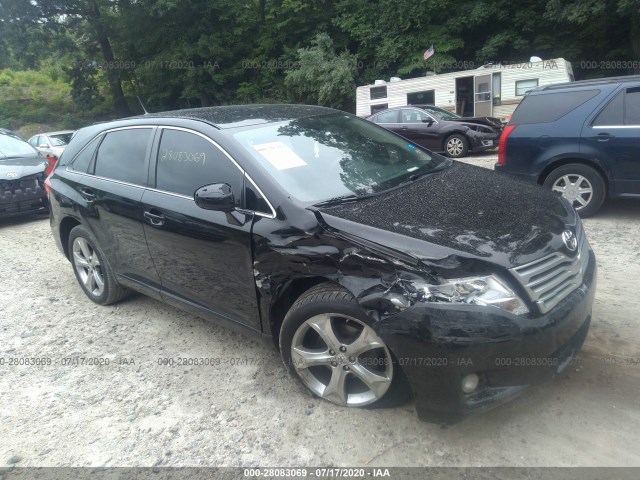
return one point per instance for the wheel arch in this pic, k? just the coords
(288, 294)
(66, 225)
(446, 136)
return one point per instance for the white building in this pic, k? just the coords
(491, 90)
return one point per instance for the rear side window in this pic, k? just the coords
(388, 117)
(632, 107)
(187, 161)
(83, 160)
(121, 155)
(549, 107)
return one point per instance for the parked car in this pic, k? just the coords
(22, 175)
(440, 130)
(580, 140)
(52, 143)
(379, 269)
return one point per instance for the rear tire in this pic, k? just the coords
(581, 185)
(93, 272)
(328, 344)
(456, 146)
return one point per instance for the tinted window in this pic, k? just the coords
(611, 114)
(187, 162)
(254, 201)
(632, 107)
(377, 92)
(549, 107)
(421, 98)
(82, 161)
(410, 115)
(121, 155)
(388, 117)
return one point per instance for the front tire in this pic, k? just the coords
(91, 268)
(456, 146)
(581, 185)
(328, 344)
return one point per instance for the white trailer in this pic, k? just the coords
(488, 91)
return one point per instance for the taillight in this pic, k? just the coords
(502, 144)
(52, 163)
(47, 185)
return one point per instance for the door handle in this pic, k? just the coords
(602, 137)
(155, 219)
(87, 194)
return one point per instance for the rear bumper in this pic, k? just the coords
(438, 345)
(527, 176)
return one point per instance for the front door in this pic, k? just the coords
(420, 128)
(482, 96)
(203, 257)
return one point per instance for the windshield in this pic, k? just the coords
(14, 147)
(60, 139)
(324, 157)
(442, 114)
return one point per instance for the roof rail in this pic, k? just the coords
(593, 81)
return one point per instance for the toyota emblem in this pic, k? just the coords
(570, 240)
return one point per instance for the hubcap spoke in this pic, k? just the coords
(367, 340)
(99, 282)
(377, 383)
(80, 260)
(581, 201)
(335, 391)
(324, 327)
(304, 358)
(86, 249)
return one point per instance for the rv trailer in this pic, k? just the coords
(488, 91)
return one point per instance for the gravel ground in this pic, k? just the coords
(135, 412)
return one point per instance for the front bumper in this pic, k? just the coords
(18, 197)
(480, 141)
(437, 345)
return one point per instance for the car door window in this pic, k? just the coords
(83, 159)
(187, 161)
(122, 155)
(388, 117)
(612, 113)
(632, 107)
(42, 142)
(409, 115)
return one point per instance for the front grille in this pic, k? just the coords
(550, 279)
(21, 184)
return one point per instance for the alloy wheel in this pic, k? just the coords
(341, 359)
(455, 146)
(575, 188)
(87, 264)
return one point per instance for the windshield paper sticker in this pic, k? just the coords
(279, 155)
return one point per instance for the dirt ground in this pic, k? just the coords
(246, 410)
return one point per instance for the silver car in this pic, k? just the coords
(52, 143)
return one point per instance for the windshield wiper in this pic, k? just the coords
(339, 200)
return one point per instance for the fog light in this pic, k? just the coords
(470, 383)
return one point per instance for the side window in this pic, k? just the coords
(611, 114)
(42, 142)
(121, 155)
(187, 161)
(388, 117)
(632, 106)
(34, 141)
(409, 115)
(83, 159)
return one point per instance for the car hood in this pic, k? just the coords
(488, 121)
(12, 168)
(462, 211)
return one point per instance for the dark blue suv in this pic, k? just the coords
(580, 139)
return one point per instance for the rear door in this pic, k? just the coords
(109, 200)
(203, 257)
(420, 128)
(614, 135)
(390, 120)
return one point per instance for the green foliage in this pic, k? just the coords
(321, 76)
(96, 56)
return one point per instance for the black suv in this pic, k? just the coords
(581, 140)
(378, 268)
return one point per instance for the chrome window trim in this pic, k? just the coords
(615, 126)
(174, 194)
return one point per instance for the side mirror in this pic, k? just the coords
(428, 121)
(217, 196)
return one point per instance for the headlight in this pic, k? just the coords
(486, 291)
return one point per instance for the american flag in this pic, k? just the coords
(429, 52)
